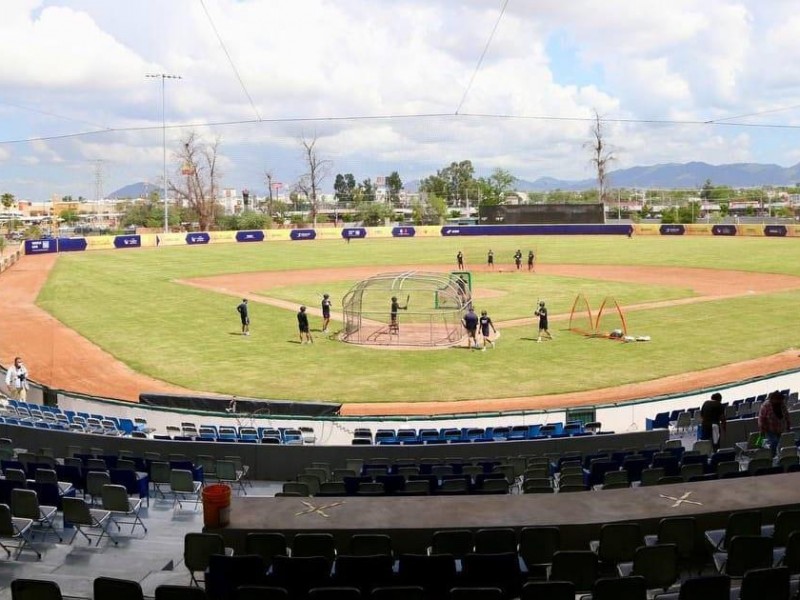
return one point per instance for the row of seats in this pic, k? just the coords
(742, 408)
(104, 588)
(499, 558)
(410, 436)
(17, 412)
(757, 584)
(52, 417)
(245, 433)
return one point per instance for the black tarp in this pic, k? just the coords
(224, 404)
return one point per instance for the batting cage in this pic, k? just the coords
(406, 309)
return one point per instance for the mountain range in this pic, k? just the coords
(665, 176)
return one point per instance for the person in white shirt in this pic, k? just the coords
(17, 380)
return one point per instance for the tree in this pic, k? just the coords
(69, 216)
(199, 190)
(318, 170)
(343, 187)
(394, 184)
(602, 157)
(451, 183)
(7, 200)
(494, 188)
(705, 192)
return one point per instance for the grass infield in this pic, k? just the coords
(128, 303)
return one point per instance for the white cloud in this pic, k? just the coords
(84, 61)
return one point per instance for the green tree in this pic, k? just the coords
(34, 232)
(452, 182)
(372, 213)
(705, 192)
(494, 188)
(69, 216)
(253, 220)
(343, 187)
(394, 184)
(724, 208)
(7, 200)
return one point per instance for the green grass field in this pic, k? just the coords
(128, 303)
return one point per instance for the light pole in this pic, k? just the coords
(163, 77)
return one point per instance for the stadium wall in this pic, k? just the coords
(152, 240)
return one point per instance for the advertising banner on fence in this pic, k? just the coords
(776, 230)
(127, 241)
(354, 233)
(697, 229)
(100, 242)
(250, 236)
(457, 230)
(222, 237)
(750, 230)
(723, 230)
(279, 235)
(201, 237)
(302, 234)
(41, 246)
(328, 233)
(71, 244)
(403, 231)
(672, 230)
(647, 229)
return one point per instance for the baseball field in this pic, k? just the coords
(725, 307)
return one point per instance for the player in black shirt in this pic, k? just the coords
(394, 326)
(541, 312)
(245, 316)
(302, 324)
(485, 323)
(490, 260)
(531, 258)
(518, 258)
(460, 260)
(470, 322)
(326, 312)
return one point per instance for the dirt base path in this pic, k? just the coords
(59, 357)
(55, 354)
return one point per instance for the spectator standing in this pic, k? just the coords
(712, 413)
(17, 380)
(773, 419)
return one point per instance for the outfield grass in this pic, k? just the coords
(128, 303)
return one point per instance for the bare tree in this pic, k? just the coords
(201, 178)
(602, 157)
(270, 200)
(318, 170)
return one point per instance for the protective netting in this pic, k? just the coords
(429, 309)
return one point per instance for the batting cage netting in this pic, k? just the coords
(406, 309)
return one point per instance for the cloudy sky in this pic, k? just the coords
(384, 85)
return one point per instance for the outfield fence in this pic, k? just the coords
(346, 234)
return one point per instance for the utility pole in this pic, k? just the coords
(164, 77)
